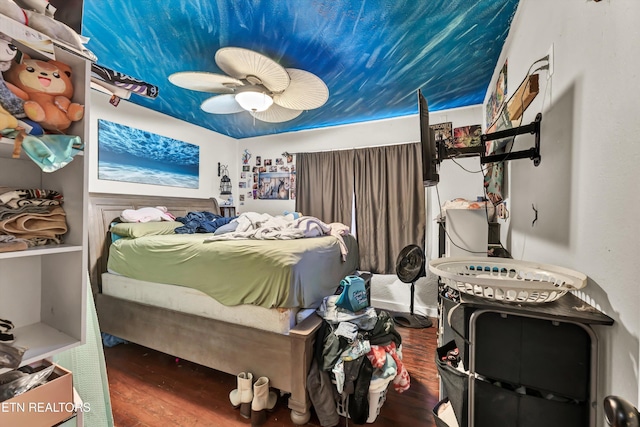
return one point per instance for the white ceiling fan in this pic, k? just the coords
(257, 84)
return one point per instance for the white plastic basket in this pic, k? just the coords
(507, 280)
(376, 400)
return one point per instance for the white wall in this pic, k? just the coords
(387, 291)
(214, 148)
(586, 188)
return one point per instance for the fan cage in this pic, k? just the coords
(507, 280)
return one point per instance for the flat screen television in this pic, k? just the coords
(430, 155)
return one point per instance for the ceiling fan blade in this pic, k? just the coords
(242, 63)
(276, 114)
(205, 82)
(305, 92)
(221, 104)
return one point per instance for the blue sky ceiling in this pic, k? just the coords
(373, 55)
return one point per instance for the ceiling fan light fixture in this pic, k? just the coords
(255, 84)
(254, 101)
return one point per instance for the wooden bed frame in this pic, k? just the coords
(226, 347)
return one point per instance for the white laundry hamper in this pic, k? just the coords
(507, 280)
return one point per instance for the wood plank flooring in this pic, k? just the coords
(152, 389)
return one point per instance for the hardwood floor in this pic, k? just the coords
(152, 389)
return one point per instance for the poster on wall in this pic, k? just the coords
(246, 155)
(497, 99)
(467, 136)
(292, 183)
(443, 133)
(494, 172)
(127, 154)
(273, 185)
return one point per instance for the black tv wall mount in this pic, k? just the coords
(532, 153)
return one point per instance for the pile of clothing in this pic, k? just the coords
(355, 354)
(201, 222)
(263, 226)
(31, 217)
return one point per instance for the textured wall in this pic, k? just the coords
(585, 189)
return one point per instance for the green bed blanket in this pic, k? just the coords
(267, 273)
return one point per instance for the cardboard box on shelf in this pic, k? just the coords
(43, 406)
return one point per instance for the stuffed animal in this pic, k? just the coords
(47, 89)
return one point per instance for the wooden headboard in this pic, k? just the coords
(105, 208)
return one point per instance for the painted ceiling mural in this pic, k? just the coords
(373, 55)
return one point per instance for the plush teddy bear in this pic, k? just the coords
(46, 88)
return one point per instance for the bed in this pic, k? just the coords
(189, 323)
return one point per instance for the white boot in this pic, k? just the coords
(263, 400)
(243, 395)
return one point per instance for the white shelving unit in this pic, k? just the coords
(43, 289)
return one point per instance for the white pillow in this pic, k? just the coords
(148, 214)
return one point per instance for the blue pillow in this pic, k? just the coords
(227, 228)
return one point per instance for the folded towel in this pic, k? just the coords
(9, 243)
(35, 196)
(6, 212)
(50, 225)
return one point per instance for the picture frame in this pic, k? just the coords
(273, 186)
(443, 133)
(127, 154)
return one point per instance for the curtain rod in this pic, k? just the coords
(288, 153)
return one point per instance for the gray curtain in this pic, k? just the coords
(325, 185)
(389, 197)
(390, 204)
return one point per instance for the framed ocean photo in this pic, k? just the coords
(127, 154)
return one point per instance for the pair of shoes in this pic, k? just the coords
(6, 326)
(253, 399)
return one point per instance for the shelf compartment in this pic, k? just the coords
(42, 341)
(41, 250)
(43, 289)
(44, 296)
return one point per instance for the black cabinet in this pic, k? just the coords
(522, 365)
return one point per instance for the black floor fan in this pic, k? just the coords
(410, 267)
